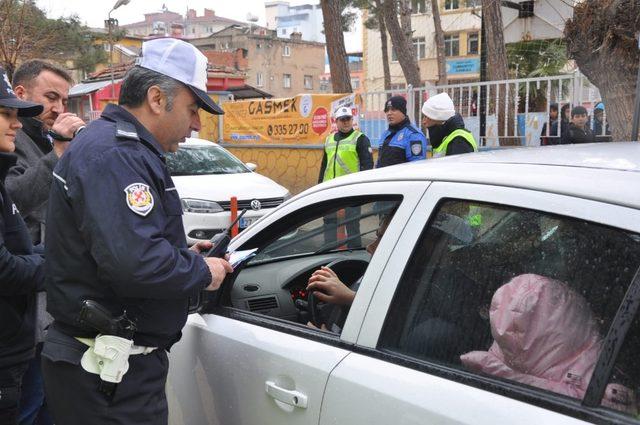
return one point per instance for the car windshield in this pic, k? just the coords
(201, 160)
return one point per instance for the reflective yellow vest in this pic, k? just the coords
(343, 160)
(442, 149)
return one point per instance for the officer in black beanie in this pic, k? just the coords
(402, 141)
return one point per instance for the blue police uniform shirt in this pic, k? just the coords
(404, 145)
(115, 235)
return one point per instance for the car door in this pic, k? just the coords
(432, 308)
(238, 366)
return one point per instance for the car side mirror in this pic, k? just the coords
(251, 166)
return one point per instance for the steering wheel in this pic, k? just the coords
(349, 270)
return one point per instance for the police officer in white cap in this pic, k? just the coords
(447, 134)
(346, 151)
(121, 275)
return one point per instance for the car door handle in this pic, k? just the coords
(290, 397)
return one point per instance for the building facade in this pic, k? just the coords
(286, 19)
(172, 23)
(461, 24)
(461, 27)
(282, 67)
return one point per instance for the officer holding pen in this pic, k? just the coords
(115, 239)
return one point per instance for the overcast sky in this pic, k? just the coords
(93, 13)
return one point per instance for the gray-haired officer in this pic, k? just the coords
(115, 236)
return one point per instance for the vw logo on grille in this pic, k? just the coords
(255, 205)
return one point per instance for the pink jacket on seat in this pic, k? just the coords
(545, 336)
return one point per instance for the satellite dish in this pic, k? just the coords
(251, 17)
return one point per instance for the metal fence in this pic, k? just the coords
(523, 103)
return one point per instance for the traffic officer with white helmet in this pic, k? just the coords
(447, 134)
(120, 274)
(346, 151)
(401, 142)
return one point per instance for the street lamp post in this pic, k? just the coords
(110, 23)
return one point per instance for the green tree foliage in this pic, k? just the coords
(537, 58)
(26, 33)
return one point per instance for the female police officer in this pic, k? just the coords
(21, 271)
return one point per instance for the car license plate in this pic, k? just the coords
(246, 222)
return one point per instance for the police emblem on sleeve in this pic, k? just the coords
(139, 198)
(416, 148)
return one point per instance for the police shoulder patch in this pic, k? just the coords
(416, 148)
(139, 198)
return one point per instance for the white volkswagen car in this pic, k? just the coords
(504, 289)
(206, 176)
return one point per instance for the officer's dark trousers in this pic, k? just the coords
(10, 384)
(353, 227)
(75, 399)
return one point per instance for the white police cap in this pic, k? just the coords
(181, 61)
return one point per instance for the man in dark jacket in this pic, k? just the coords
(447, 134)
(402, 142)
(346, 151)
(29, 181)
(578, 131)
(21, 271)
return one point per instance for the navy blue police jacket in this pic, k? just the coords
(21, 276)
(115, 235)
(401, 143)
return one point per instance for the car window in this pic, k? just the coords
(201, 160)
(287, 279)
(514, 294)
(338, 229)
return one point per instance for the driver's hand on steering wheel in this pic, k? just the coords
(328, 288)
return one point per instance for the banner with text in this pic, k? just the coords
(305, 119)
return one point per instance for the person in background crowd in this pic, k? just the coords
(115, 237)
(39, 144)
(401, 142)
(346, 151)
(600, 128)
(549, 139)
(447, 134)
(561, 126)
(578, 131)
(21, 270)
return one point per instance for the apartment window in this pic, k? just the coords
(394, 55)
(418, 6)
(283, 31)
(451, 4)
(452, 45)
(193, 30)
(420, 46)
(473, 44)
(308, 82)
(400, 86)
(474, 3)
(286, 81)
(355, 83)
(106, 47)
(259, 79)
(286, 50)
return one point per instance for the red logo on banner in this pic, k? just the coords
(320, 121)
